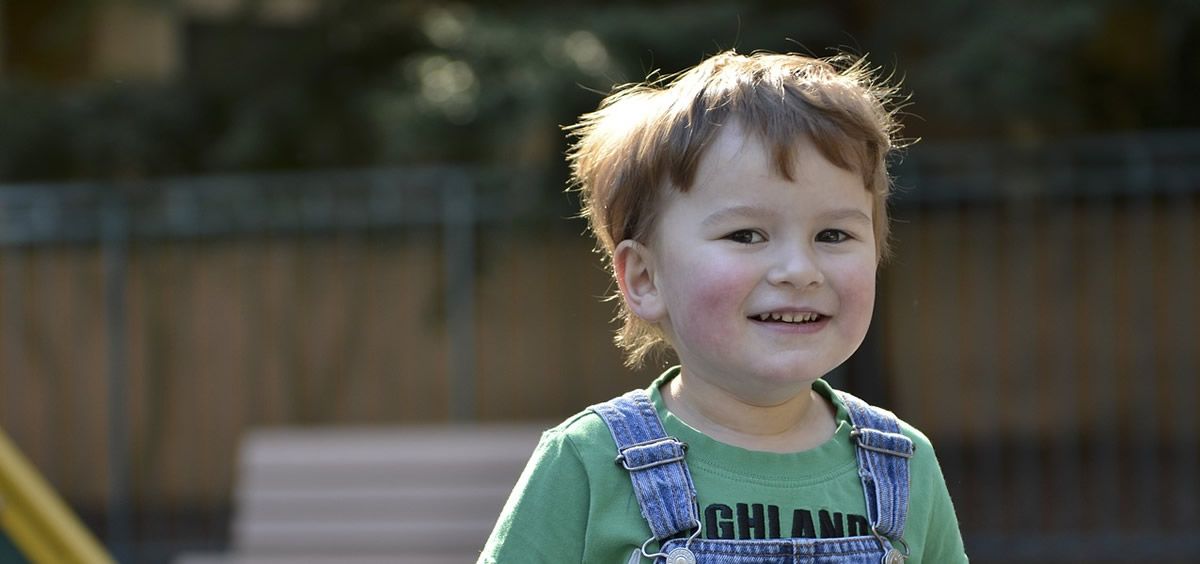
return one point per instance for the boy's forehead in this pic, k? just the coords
(736, 148)
(739, 171)
(733, 146)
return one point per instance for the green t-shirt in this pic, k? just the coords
(574, 504)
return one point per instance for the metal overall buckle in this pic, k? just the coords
(891, 555)
(680, 555)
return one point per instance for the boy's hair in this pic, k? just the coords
(647, 137)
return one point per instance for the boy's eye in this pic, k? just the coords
(745, 236)
(832, 236)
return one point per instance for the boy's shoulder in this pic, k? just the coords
(839, 399)
(584, 440)
(583, 432)
(587, 430)
(581, 425)
(588, 436)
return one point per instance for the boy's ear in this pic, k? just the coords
(633, 264)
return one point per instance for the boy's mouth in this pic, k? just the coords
(799, 317)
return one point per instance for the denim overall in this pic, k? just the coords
(667, 496)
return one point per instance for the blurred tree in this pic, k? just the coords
(1029, 68)
(374, 82)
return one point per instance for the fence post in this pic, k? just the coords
(114, 241)
(458, 259)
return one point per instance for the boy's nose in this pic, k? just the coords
(797, 268)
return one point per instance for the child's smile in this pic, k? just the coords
(803, 321)
(765, 284)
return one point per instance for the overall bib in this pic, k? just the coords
(667, 497)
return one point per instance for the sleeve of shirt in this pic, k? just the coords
(943, 542)
(545, 518)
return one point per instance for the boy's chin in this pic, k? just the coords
(799, 365)
(787, 375)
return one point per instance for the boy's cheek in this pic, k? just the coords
(864, 286)
(858, 302)
(713, 303)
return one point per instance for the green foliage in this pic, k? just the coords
(366, 83)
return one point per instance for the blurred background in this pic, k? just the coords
(218, 215)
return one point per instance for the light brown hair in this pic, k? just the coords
(649, 137)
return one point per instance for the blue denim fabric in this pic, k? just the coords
(883, 454)
(664, 489)
(849, 550)
(661, 480)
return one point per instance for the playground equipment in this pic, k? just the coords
(36, 520)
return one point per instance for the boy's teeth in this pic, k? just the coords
(789, 317)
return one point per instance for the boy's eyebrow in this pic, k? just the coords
(849, 214)
(752, 212)
(736, 212)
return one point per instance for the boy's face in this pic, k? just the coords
(765, 284)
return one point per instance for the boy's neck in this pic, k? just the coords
(798, 423)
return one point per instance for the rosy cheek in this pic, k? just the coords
(713, 301)
(858, 296)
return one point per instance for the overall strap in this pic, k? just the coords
(655, 463)
(883, 454)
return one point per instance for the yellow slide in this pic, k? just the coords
(36, 520)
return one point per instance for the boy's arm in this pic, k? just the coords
(545, 518)
(943, 542)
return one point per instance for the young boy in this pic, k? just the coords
(742, 206)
